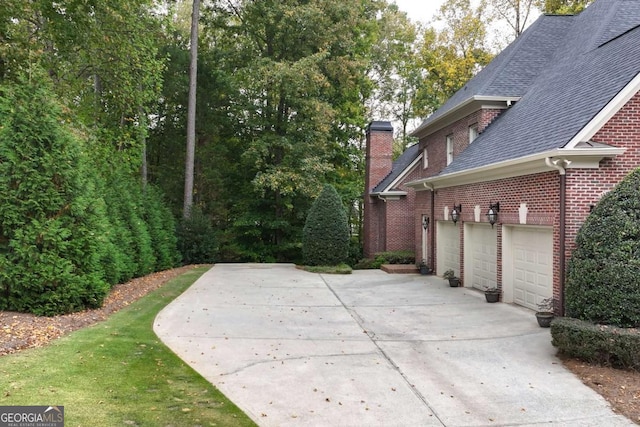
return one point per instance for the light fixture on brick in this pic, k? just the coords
(492, 213)
(455, 213)
(425, 222)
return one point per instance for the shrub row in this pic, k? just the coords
(67, 232)
(390, 257)
(605, 345)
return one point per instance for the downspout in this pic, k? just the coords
(560, 164)
(432, 252)
(432, 236)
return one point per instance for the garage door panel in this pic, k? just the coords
(483, 266)
(532, 265)
(448, 244)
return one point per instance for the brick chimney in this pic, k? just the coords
(378, 164)
(379, 156)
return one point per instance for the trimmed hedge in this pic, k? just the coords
(390, 257)
(603, 274)
(601, 344)
(325, 236)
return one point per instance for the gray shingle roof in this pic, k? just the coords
(399, 165)
(513, 70)
(599, 56)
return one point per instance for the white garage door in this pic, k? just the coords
(448, 244)
(481, 250)
(532, 265)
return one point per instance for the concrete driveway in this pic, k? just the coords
(372, 349)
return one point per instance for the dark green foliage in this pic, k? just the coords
(197, 241)
(161, 225)
(355, 251)
(603, 276)
(604, 345)
(51, 220)
(131, 235)
(390, 257)
(325, 236)
(329, 269)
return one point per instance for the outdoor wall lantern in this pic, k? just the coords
(425, 222)
(455, 213)
(492, 213)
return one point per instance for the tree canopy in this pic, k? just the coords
(284, 92)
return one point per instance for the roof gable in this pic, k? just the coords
(514, 69)
(623, 19)
(400, 166)
(581, 78)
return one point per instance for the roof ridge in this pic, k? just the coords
(512, 51)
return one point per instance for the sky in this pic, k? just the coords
(419, 10)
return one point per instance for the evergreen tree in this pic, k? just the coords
(51, 220)
(325, 237)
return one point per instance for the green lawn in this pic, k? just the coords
(118, 373)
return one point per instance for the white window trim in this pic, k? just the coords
(449, 149)
(473, 132)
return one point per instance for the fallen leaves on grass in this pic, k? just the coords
(23, 330)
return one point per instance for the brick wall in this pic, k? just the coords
(398, 223)
(586, 187)
(540, 192)
(436, 142)
(401, 218)
(379, 153)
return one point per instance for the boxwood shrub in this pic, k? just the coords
(600, 344)
(603, 274)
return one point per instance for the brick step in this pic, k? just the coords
(399, 268)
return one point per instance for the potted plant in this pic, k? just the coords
(423, 267)
(450, 275)
(545, 314)
(492, 294)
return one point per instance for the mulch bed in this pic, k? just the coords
(22, 330)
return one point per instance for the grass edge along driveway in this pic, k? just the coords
(118, 372)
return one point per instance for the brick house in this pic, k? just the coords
(537, 136)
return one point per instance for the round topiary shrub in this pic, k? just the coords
(325, 236)
(603, 275)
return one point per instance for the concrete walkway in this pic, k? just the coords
(372, 349)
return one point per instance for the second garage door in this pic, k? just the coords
(532, 274)
(448, 245)
(481, 251)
